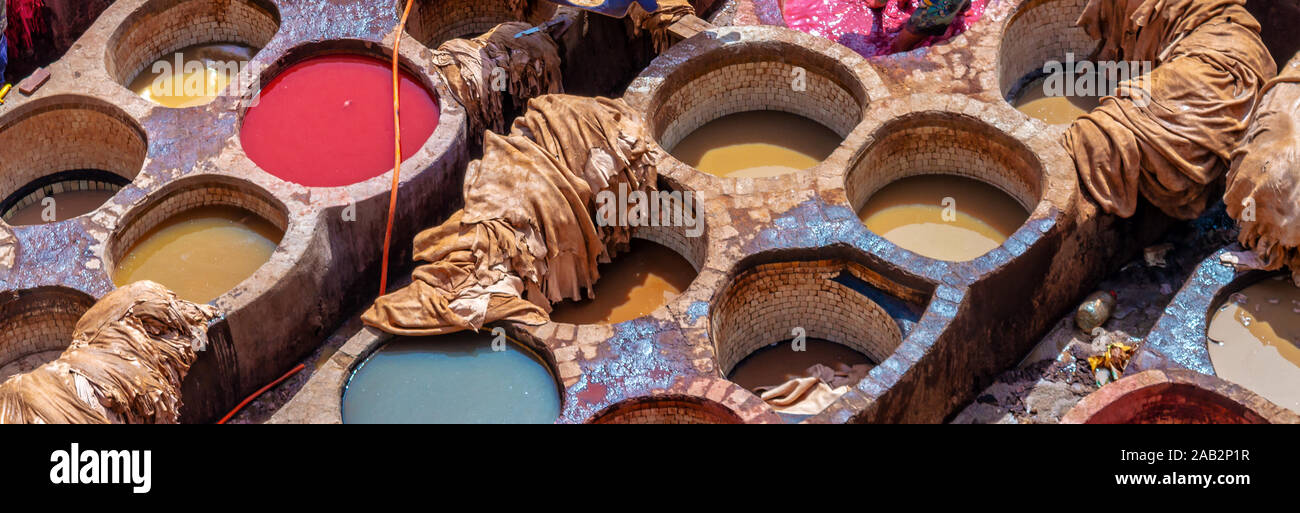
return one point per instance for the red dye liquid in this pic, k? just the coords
(328, 121)
(867, 31)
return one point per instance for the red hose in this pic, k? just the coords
(260, 392)
(397, 161)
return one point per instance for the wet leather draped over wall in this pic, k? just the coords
(1209, 65)
(527, 236)
(531, 64)
(657, 23)
(1265, 174)
(128, 356)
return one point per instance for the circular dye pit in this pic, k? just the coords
(451, 379)
(1174, 397)
(65, 158)
(730, 108)
(944, 185)
(328, 121)
(944, 217)
(192, 76)
(757, 144)
(668, 410)
(822, 302)
(433, 22)
(37, 325)
(200, 253)
(1253, 340)
(60, 197)
(634, 285)
(1041, 37)
(184, 53)
(769, 368)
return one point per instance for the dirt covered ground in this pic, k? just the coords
(1056, 374)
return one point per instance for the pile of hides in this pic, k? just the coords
(128, 356)
(1169, 134)
(531, 67)
(1263, 190)
(657, 23)
(811, 394)
(527, 236)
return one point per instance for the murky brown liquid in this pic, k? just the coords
(201, 253)
(774, 365)
(757, 144)
(633, 285)
(1255, 344)
(67, 205)
(1055, 110)
(178, 87)
(910, 213)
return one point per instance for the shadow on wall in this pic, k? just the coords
(41, 31)
(1279, 19)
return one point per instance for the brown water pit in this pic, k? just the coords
(944, 217)
(634, 285)
(1054, 109)
(757, 144)
(781, 362)
(1253, 339)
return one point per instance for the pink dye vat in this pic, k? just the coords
(867, 31)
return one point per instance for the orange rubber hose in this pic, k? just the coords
(397, 160)
(259, 393)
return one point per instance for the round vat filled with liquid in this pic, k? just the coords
(433, 22)
(760, 106)
(778, 324)
(461, 378)
(199, 240)
(184, 53)
(660, 264)
(304, 126)
(64, 158)
(1253, 338)
(37, 326)
(944, 186)
(669, 409)
(1042, 50)
(1175, 397)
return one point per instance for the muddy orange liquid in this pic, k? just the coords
(201, 253)
(911, 213)
(67, 205)
(191, 85)
(776, 364)
(1054, 110)
(633, 285)
(757, 144)
(1255, 344)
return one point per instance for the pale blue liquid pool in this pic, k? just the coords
(451, 379)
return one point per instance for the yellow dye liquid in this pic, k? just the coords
(203, 73)
(201, 253)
